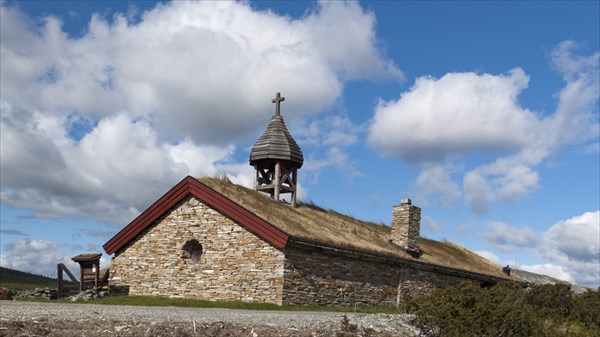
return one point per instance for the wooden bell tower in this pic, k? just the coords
(276, 158)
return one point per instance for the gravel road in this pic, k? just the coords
(62, 319)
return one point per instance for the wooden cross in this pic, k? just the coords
(277, 100)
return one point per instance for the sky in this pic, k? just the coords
(485, 114)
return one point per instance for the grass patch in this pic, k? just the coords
(39, 299)
(159, 301)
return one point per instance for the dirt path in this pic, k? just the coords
(60, 319)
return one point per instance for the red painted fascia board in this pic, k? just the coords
(146, 218)
(149, 215)
(212, 198)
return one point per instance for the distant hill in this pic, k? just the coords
(18, 280)
(545, 279)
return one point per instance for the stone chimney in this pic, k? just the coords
(406, 226)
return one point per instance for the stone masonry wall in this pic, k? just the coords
(330, 278)
(235, 265)
(406, 225)
(315, 277)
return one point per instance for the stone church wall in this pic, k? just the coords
(235, 265)
(319, 276)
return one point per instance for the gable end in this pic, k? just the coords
(190, 186)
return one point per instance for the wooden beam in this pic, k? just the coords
(104, 279)
(277, 180)
(256, 176)
(97, 275)
(294, 181)
(60, 280)
(81, 278)
(60, 269)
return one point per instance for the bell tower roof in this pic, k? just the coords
(276, 143)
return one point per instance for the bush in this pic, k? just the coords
(507, 310)
(6, 294)
(555, 300)
(469, 310)
(586, 308)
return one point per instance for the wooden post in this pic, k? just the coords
(81, 278)
(256, 175)
(61, 268)
(104, 279)
(97, 276)
(59, 274)
(277, 180)
(295, 187)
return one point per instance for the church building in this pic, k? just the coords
(213, 240)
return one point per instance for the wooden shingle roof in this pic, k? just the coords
(86, 257)
(276, 143)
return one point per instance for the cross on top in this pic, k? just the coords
(277, 100)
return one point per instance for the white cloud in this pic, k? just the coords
(225, 77)
(327, 139)
(575, 119)
(445, 119)
(41, 256)
(35, 256)
(507, 179)
(488, 255)
(550, 269)
(429, 224)
(571, 247)
(435, 180)
(577, 237)
(458, 113)
(503, 234)
(102, 124)
(574, 244)
(330, 130)
(113, 172)
(336, 158)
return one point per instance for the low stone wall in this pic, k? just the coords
(316, 277)
(328, 277)
(415, 282)
(235, 265)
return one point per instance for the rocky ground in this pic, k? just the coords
(66, 320)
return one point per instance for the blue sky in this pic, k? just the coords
(484, 113)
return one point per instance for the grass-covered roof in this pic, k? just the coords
(310, 222)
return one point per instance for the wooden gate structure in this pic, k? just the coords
(89, 266)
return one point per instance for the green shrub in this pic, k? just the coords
(506, 310)
(469, 310)
(6, 294)
(551, 299)
(586, 308)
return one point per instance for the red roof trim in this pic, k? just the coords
(212, 198)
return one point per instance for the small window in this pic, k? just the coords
(192, 250)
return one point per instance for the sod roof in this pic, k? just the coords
(313, 223)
